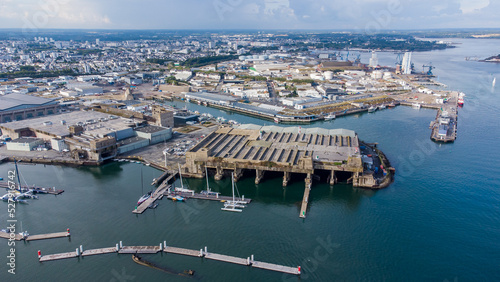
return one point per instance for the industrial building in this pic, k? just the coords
(25, 144)
(93, 135)
(334, 153)
(20, 106)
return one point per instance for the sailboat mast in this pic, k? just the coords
(142, 183)
(182, 185)
(17, 173)
(206, 173)
(232, 178)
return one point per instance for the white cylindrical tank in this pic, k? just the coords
(328, 75)
(377, 74)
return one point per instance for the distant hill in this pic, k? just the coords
(492, 59)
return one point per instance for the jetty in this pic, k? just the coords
(444, 127)
(162, 247)
(159, 192)
(19, 237)
(211, 197)
(34, 189)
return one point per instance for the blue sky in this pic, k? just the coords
(369, 15)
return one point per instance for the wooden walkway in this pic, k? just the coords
(58, 256)
(305, 201)
(249, 261)
(6, 235)
(47, 236)
(99, 251)
(18, 237)
(155, 195)
(140, 250)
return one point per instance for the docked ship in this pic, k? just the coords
(461, 99)
(330, 117)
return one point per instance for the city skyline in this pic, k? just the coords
(361, 15)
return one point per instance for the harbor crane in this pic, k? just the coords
(429, 67)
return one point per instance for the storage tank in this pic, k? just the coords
(328, 75)
(377, 74)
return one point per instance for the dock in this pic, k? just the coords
(140, 250)
(18, 237)
(162, 247)
(198, 196)
(47, 236)
(34, 189)
(6, 235)
(444, 127)
(159, 192)
(305, 201)
(98, 251)
(58, 256)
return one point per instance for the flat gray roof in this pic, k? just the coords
(60, 128)
(151, 129)
(25, 140)
(205, 96)
(15, 100)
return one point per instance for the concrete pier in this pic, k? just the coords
(160, 191)
(259, 174)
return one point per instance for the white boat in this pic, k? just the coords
(182, 189)
(276, 120)
(145, 196)
(494, 82)
(330, 117)
(381, 107)
(372, 109)
(461, 96)
(234, 205)
(416, 105)
(208, 192)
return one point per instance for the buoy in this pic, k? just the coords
(39, 254)
(69, 234)
(299, 269)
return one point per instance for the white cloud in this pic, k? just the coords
(470, 6)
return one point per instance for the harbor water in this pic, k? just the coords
(438, 221)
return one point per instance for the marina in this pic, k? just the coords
(203, 253)
(159, 192)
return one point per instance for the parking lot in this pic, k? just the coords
(175, 148)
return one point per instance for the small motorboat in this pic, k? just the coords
(178, 199)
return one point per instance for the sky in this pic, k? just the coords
(368, 15)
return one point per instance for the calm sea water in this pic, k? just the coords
(438, 221)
